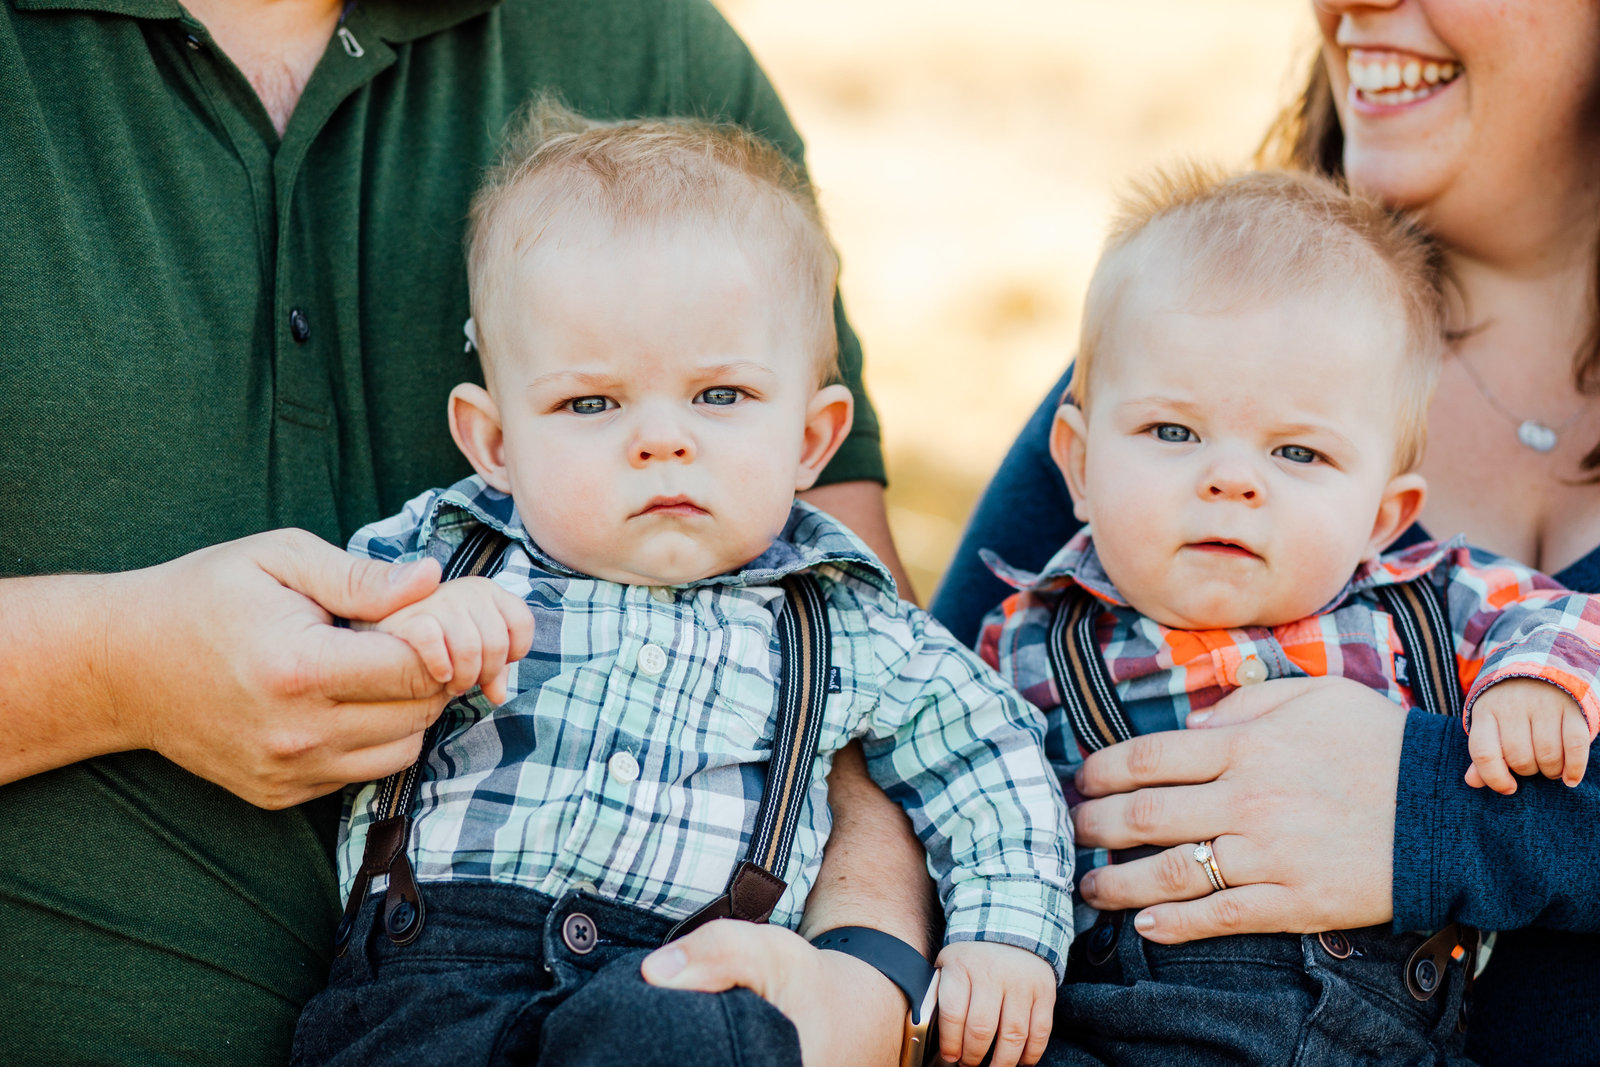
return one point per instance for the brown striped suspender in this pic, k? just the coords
(757, 882)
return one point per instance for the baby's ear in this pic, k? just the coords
(828, 419)
(475, 425)
(1399, 508)
(1068, 434)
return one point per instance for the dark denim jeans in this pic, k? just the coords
(1254, 999)
(496, 978)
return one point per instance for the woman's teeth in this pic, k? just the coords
(1395, 80)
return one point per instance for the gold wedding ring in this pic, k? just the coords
(1206, 856)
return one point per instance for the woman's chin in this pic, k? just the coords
(1401, 177)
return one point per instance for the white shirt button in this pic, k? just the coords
(652, 660)
(624, 768)
(662, 594)
(1251, 672)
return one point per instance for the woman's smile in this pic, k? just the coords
(1382, 79)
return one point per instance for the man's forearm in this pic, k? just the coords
(55, 705)
(873, 872)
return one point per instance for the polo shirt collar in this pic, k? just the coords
(810, 539)
(394, 20)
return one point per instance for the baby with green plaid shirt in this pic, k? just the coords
(652, 302)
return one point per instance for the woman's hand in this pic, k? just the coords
(845, 1011)
(1295, 782)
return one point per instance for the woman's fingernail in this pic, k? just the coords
(664, 964)
(1144, 922)
(1197, 718)
(1086, 885)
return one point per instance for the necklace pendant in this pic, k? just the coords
(1536, 435)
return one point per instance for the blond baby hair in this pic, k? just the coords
(1266, 235)
(558, 165)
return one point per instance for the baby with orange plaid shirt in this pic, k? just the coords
(1242, 437)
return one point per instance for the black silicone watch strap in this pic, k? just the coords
(899, 962)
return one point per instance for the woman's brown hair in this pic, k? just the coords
(1306, 136)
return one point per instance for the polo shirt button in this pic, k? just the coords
(624, 768)
(652, 660)
(299, 326)
(661, 594)
(579, 934)
(1251, 672)
(194, 42)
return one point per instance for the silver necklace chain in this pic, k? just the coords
(1531, 432)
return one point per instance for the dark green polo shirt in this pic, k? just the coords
(206, 332)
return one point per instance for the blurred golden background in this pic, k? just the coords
(967, 157)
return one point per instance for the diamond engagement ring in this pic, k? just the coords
(1206, 857)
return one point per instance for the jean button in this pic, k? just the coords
(400, 919)
(1335, 944)
(578, 933)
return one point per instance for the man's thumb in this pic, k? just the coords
(346, 585)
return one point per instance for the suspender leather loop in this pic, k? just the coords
(389, 833)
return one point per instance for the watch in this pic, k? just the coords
(906, 968)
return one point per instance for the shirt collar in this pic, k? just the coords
(394, 20)
(1403, 566)
(1079, 563)
(810, 539)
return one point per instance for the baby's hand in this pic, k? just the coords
(994, 994)
(467, 632)
(1529, 726)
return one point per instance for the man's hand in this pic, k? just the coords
(847, 1013)
(236, 670)
(227, 661)
(467, 631)
(991, 994)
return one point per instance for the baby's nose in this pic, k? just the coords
(661, 441)
(1228, 487)
(1231, 481)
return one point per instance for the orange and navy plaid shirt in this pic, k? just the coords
(1507, 621)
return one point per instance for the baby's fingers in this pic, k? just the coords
(983, 1022)
(1487, 758)
(1574, 745)
(1040, 1021)
(955, 990)
(1016, 1020)
(427, 638)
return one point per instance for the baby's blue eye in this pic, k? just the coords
(1172, 433)
(1296, 453)
(720, 395)
(589, 405)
